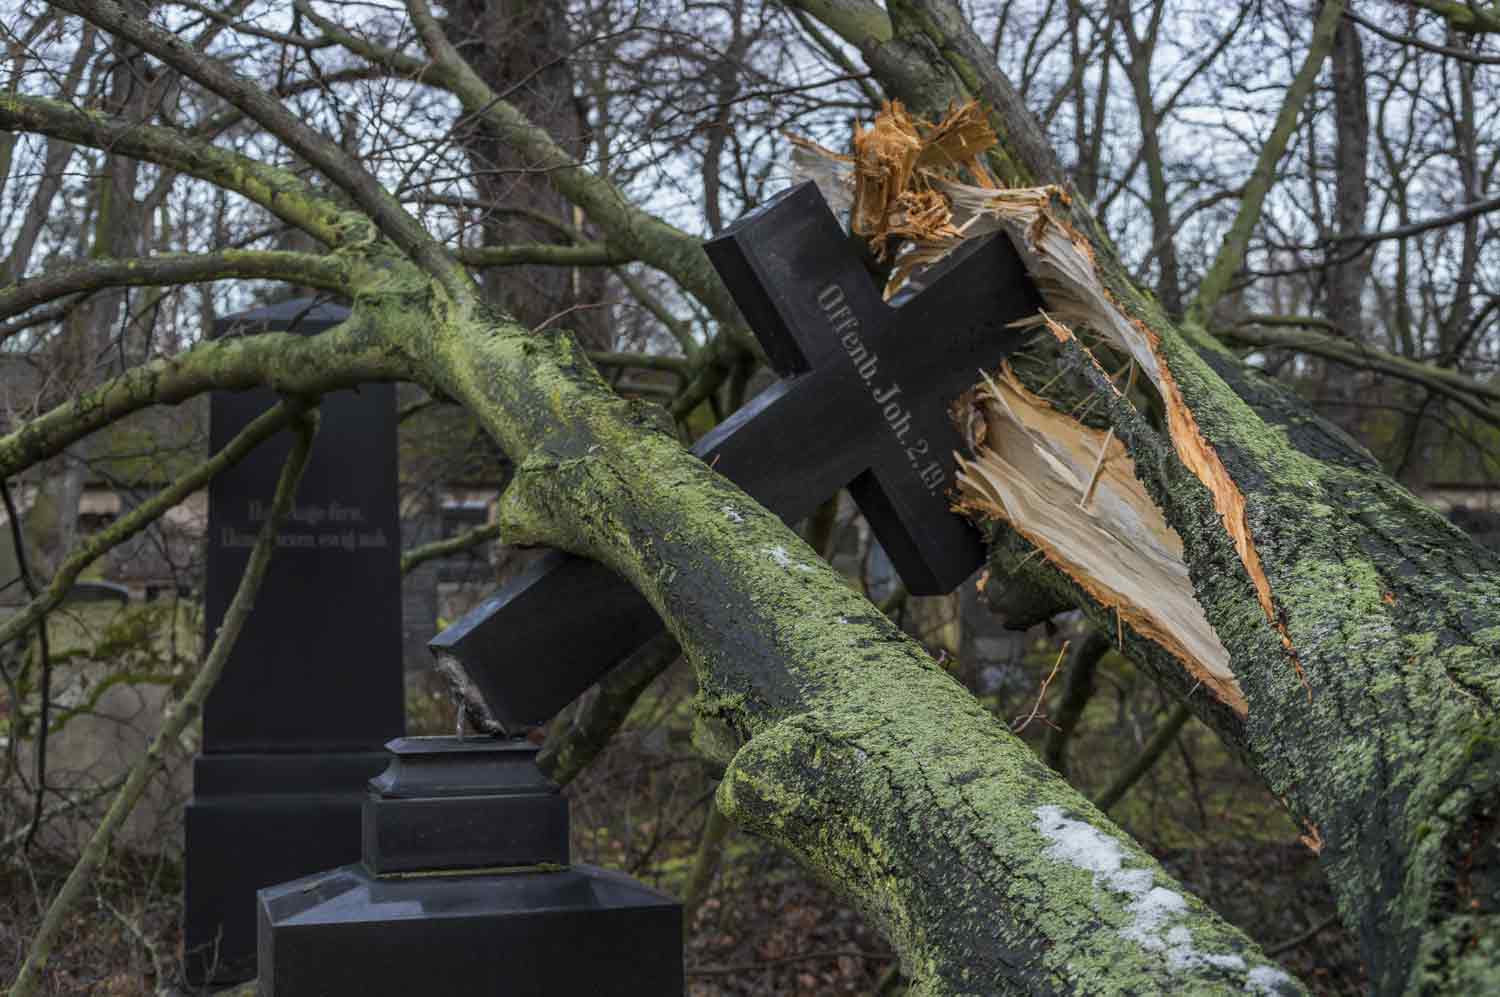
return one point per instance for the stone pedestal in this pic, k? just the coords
(465, 888)
(313, 688)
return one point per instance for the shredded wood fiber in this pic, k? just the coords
(1034, 468)
(898, 185)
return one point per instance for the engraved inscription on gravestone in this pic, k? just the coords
(333, 527)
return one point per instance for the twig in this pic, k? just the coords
(1306, 936)
(45, 652)
(1020, 724)
(177, 719)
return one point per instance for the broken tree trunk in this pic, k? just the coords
(1336, 631)
(1349, 637)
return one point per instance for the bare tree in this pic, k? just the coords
(1333, 630)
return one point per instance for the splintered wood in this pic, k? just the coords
(917, 191)
(1031, 469)
(893, 168)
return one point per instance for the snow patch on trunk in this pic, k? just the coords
(1152, 908)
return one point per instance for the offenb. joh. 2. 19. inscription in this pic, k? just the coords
(893, 409)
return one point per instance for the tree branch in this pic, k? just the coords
(1020, 134)
(1477, 397)
(181, 714)
(1464, 55)
(1232, 252)
(18, 540)
(279, 191)
(309, 269)
(449, 545)
(342, 357)
(833, 52)
(1470, 17)
(587, 254)
(628, 228)
(681, 366)
(321, 152)
(92, 548)
(1462, 214)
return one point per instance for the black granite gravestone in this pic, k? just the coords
(314, 687)
(864, 402)
(465, 888)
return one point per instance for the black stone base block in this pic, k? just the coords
(254, 821)
(579, 931)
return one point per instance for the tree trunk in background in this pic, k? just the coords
(522, 50)
(1344, 291)
(1351, 186)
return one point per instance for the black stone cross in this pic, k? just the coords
(863, 403)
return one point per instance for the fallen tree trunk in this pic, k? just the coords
(843, 741)
(1347, 638)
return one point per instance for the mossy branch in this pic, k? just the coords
(630, 229)
(680, 366)
(1469, 18)
(310, 269)
(861, 23)
(1026, 155)
(393, 59)
(846, 743)
(279, 191)
(309, 366)
(1479, 397)
(417, 556)
(1042, 894)
(178, 717)
(584, 254)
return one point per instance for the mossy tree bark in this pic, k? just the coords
(843, 740)
(1363, 629)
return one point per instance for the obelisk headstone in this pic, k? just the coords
(313, 689)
